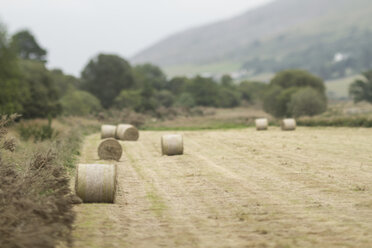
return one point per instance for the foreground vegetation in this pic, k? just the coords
(36, 199)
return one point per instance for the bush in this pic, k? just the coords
(228, 97)
(130, 99)
(185, 100)
(307, 102)
(80, 103)
(37, 132)
(285, 84)
(164, 98)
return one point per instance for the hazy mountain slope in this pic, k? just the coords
(272, 32)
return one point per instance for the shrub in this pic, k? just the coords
(285, 84)
(128, 99)
(307, 102)
(185, 100)
(164, 98)
(37, 132)
(80, 103)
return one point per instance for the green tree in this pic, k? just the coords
(252, 92)
(129, 99)
(164, 98)
(185, 100)
(177, 85)
(204, 91)
(106, 76)
(229, 97)
(298, 78)
(27, 46)
(307, 102)
(151, 75)
(65, 84)
(80, 103)
(11, 90)
(361, 89)
(41, 98)
(286, 83)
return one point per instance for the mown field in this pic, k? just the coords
(237, 188)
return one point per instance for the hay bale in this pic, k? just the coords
(288, 124)
(172, 144)
(96, 183)
(262, 124)
(108, 131)
(110, 149)
(127, 132)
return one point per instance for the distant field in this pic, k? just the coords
(339, 89)
(237, 188)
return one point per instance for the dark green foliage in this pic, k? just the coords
(106, 76)
(284, 85)
(297, 78)
(307, 102)
(185, 100)
(177, 85)
(10, 88)
(228, 97)
(151, 75)
(361, 90)
(203, 90)
(129, 99)
(164, 98)
(80, 103)
(27, 46)
(252, 92)
(64, 83)
(42, 98)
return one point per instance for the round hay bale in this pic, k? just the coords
(110, 149)
(288, 124)
(96, 183)
(127, 132)
(108, 131)
(262, 124)
(172, 144)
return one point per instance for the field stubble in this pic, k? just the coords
(237, 188)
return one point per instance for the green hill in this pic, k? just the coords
(330, 38)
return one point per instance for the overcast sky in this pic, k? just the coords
(73, 31)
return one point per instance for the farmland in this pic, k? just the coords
(237, 188)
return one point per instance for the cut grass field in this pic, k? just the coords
(237, 188)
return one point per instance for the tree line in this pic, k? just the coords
(109, 81)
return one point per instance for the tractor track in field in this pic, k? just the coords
(237, 188)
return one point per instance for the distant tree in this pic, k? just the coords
(228, 97)
(164, 98)
(151, 75)
(129, 99)
(177, 85)
(297, 78)
(286, 83)
(11, 90)
(106, 76)
(41, 98)
(361, 89)
(185, 100)
(80, 103)
(203, 90)
(252, 92)
(27, 46)
(307, 102)
(227, 80)
(65, 84)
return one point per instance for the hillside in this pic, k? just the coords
(333, 35)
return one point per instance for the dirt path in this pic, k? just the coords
(309, 188)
